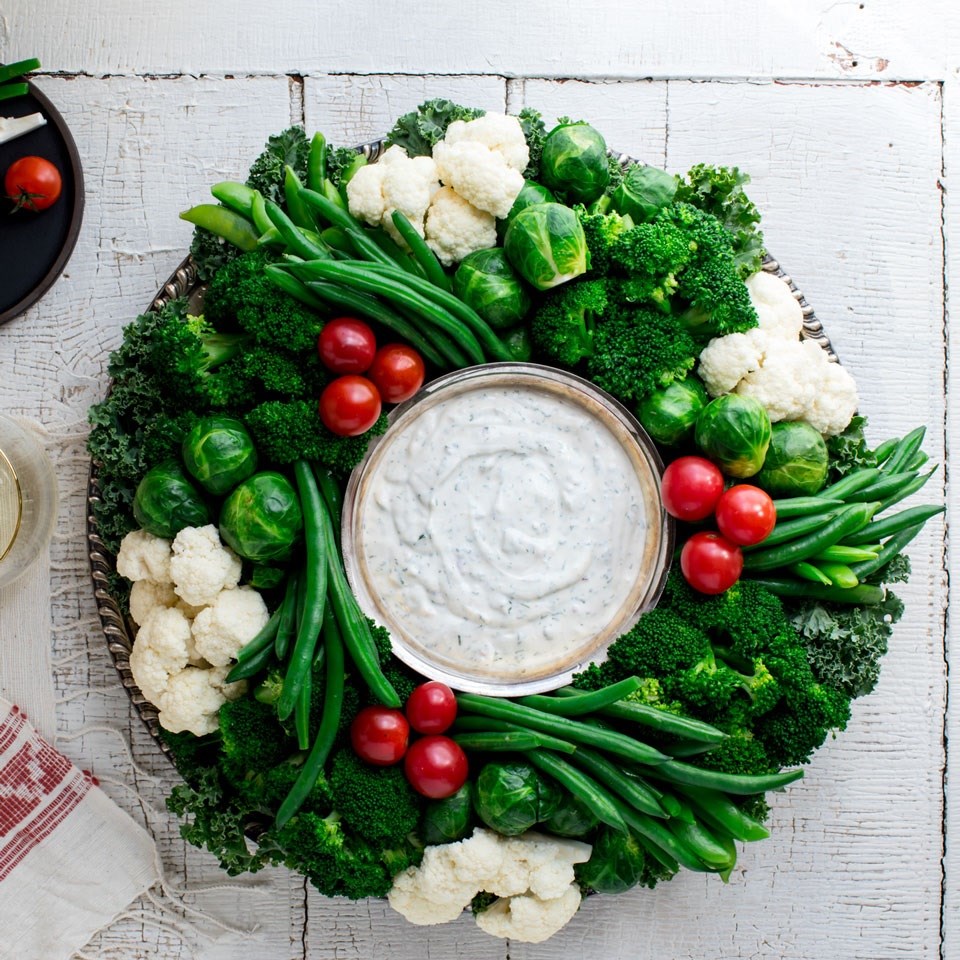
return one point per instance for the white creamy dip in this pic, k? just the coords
(502, 530)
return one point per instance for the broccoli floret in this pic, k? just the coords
(801, 722)
(399, 675)
(660, 645)
(652, 255)
(421, 129)
(602, 231)
(719, 191)
(242, 294)
(638, 350)
(284, 431)
(562, 327)
(252, 738)
(288, 148)
(740, 752)
(273, 373)
(375, 802)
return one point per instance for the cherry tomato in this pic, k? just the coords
(33, 183)
(710, 563)
(398, 372)
(347, 345)
(436, 767)
(690, 488)
(379, 735)
(746, 514)
(432, 707)
(349, 405)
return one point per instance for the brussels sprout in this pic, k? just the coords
(644, 192)
(448, 820)
(670, 413)
(519, 343)
(574, 162)
(571, 818)
(511, 797)
(530, 193)
(261, 519)
(486, 281)
(734, 431)
(616, 862)
(166, 502)
(796, 463)
(219, 453)
(546, 245)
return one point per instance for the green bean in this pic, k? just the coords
(593, 796)
(236, 196)
(333, 211)
(336, 239)
(367, 248)
(655, 718)
(887, 526)
(718, 810)
(851, 483)
(364, 278)
(287, 626)
(290, 285)
(688, 748)
(698, 838)
(314, 589)
(295, 239)
(905, 450)
(791, 529)
(885, 450)
(258, 213)
(252, 665)
(424, 255)
(807, 571)
(18, 69)
(317, 162)
(847, 520)
(656, 853)
(630, 788)
(888, 551)
(441, 341)
(490, 741)
(674, 771)
(583, 703)
(802, 590)
(329, 723)
(263, 638)
(908, 490)
(657, 832)
(454, 305)
(884, 487)
(225, 223)
(841, 553)
(301, 713)
(332, 496)
(840, 575)
(573, 730)
(483, 724)
(791, 507)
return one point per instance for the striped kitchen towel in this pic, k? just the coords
(70, 859)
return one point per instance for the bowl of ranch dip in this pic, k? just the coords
(507, 528)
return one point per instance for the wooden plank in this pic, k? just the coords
(741, 38)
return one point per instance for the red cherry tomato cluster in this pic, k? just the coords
(691, 490)
(435, 765)
(350, 404)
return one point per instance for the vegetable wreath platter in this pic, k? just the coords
(493, 523)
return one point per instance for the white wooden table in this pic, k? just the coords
(847, 115)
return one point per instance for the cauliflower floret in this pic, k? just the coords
(394, 182)
(142, 556)
(235, 617)
(543, 865)
(499, 132)
(787, 382)
(529, 919)
(778, 310)
(202, 566)
(455, 227)
(191, 701)
(478, 174)
(145, 595)
(725, 361)
(836, 401)
(161, 650)
(413, 901)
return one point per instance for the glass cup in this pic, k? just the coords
(28, 499)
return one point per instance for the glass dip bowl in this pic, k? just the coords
(507, 527)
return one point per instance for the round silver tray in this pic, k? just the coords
(118, 629)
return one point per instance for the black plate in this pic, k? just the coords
(35, 247)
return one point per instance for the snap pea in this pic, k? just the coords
(918, 460)
(791, 507)
(888, 551)
(11, 90)
(317, 162)
(908, 489)
(851, 483)
(258, 213)
(298, 210)
(697, 837)
(482, 724)
(887, 526)
(791, 529)
(657, 853)
(807, 571)
(335, 238)
(424, 255)
(329, 722)
(223, 222)
(236, 196)
(668, 723)
(800, 589)
(332, 195)
(573, 730)
(675, 771)
(490, 741)
(884, 487)
(314, 590)
(905, 450)
(847, 520)
(841, 553)
(584, 702)
(840, 575)
(586, 790)
(18, 69)
(287, 626)
(718, 809)
(630, 788)
(656, 832)
(885, 450)
(295, 239)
